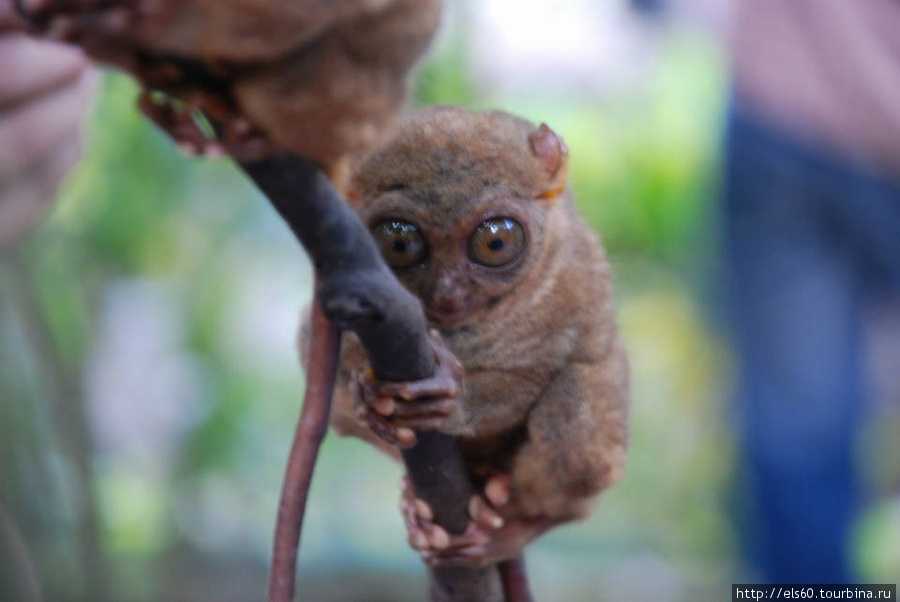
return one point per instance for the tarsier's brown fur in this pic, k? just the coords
(338, 92)
(546, 390)
(321, 79)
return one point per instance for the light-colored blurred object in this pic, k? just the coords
(44, 92)
(827, 71)
(580, 46)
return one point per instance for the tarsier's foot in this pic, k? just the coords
(395, 410)
(235, 135)
(179, 123)
(243, 140)
(489, 538)
(92, 29)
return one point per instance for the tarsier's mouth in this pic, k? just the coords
(447, 317)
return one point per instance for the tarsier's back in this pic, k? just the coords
(473, 213)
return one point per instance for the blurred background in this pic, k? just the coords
(149, 382)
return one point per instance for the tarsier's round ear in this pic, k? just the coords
(552, 153)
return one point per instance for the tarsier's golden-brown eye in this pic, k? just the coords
(402, 244)
(496, 242)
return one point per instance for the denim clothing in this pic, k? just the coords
(809, 239)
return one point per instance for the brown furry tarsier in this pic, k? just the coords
(321, 79)
(473, 214)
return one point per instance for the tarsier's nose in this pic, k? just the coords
(450, 299)
(449, 290)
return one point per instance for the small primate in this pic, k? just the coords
(473, 214)
(323, 80)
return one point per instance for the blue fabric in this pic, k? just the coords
(808, 240)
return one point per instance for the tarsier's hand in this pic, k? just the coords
(492, 536)
(121, 33)
(236, 136)
(394, 410)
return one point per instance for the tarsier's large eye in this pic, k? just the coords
(401, 243)
(496, 242)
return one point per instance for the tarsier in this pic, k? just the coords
(323, 80)
(473, 213)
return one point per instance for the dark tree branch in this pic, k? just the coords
(359, 293)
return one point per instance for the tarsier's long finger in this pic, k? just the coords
(444, 384)
(400, 436)
(443, 406)
(408, 499)
(428, 538)
(424, 414)
(470, 548)
(177, 123)
(422, 533)
(483, 515)
(416, 537)
(498, 490)
(419, 423)
(244, 141)
(440, 385)
(436, 536)
(90, 25)
(373, 413)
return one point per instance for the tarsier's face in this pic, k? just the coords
(464, 206)
(459, 266)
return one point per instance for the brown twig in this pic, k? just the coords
(515, 580)
(311, 428)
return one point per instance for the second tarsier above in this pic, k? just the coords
(320, 79)
(473, 213)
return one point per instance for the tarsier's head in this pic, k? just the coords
(464, 206)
